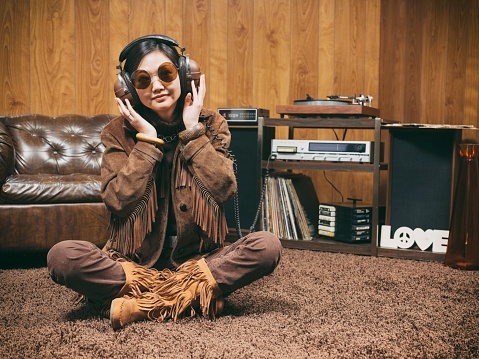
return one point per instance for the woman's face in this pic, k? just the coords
(158, 96)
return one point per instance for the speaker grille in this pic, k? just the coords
(421, 178)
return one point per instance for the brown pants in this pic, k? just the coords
(84, 268)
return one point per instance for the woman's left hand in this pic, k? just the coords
(192, 109)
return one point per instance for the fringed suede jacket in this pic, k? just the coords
(137, 183)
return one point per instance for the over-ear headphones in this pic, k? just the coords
(188, 68)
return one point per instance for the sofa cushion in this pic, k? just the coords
(59, 145)
(46, 188)
(37, 227)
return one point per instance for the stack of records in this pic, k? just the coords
(290, 206)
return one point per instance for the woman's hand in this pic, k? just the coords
(192, 109)
(138, 122)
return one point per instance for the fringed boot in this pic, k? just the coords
(138, 279)
(190, 288)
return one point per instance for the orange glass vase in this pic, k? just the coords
(463, 244)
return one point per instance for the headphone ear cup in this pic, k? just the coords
(191, 71)
(194, 72)
(121, 89)
(134, 100)
(185, 79)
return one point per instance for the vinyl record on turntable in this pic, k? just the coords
(322, 102)
(328, 102)
(334, 100)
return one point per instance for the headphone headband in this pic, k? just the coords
(188, 69)
(160, 38)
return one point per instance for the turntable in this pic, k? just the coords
(337, 106)
(330, 101)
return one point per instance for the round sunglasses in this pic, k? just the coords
(167, 73)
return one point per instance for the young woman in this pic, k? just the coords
(166, 174)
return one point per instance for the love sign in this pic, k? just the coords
(405, 237)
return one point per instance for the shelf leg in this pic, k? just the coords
(376, 181)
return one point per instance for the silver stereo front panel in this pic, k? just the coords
(316, 150)
(243, 116)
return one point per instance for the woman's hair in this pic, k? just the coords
(139, 51)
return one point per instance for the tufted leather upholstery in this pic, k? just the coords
(50, 165)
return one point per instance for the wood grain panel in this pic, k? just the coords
(304, 65)
(326, 49)
(325, 85)
(271, 60)
(304, 49)
(91, 58)
(118, 39)
(240, 53)
(414, 33)
(371, 76)
(196, 36)
(456, 62)
(388, 29)
(52, 44)
(400, 49)
(349, 57)
(14, 52)
(434, 61)
(349, 63)
(217, 88)
(372, 49)
(471, 96)
(271, 48)
(174, 20)
(146, 17)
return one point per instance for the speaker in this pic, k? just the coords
(248, 153)
(421, 178)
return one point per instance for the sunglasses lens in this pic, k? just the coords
(141, 79)
(167, 72)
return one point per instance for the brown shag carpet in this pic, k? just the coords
(315, 305)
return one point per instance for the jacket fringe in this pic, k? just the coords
(127, 234)
(208, 215)
(176, 297)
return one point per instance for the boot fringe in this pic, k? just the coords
(177, 296)
(147, 278)
(141, 279)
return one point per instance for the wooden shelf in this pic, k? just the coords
(410, 254)
(321, 165)
(321, 110)
(344, 121)
(362, 249)
(354, 117)
(328, 245)
(314, 122)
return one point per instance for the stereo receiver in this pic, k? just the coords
(315, 150)
(243, 116)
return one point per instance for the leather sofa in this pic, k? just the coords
(50, 181)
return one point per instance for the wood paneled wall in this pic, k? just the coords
(430, 61)
(418, 59)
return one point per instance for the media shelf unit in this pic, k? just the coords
(337, 117)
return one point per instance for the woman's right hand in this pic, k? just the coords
(138, 122)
